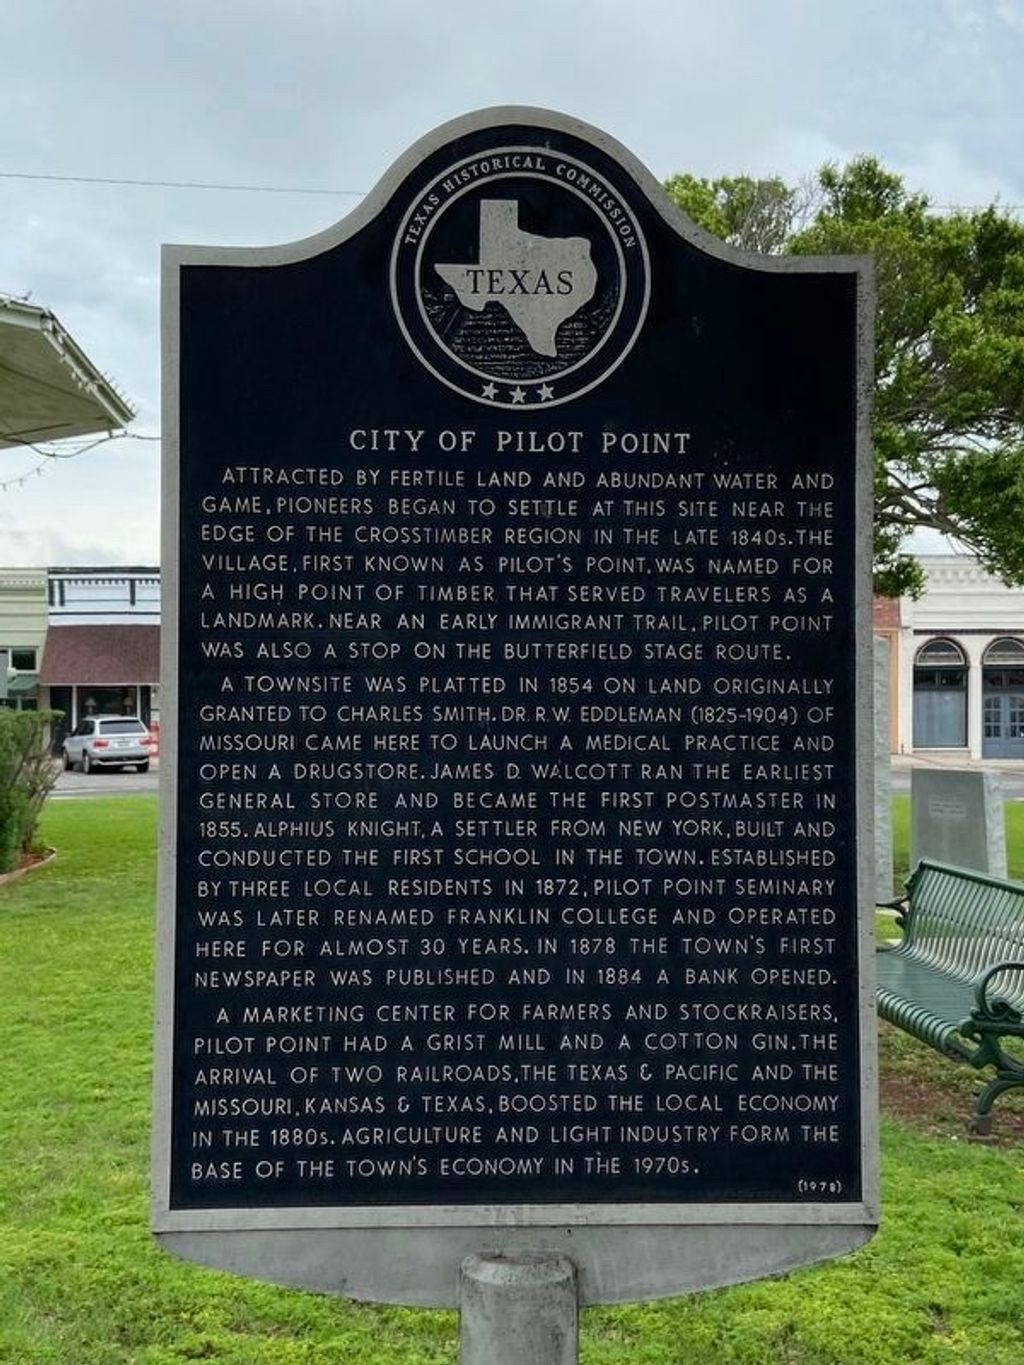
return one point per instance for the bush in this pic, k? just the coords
(27, 774)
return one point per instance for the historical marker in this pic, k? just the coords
(516, 848)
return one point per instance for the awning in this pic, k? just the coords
(106, 656)
(22, 683)
(49, 388)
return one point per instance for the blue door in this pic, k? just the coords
(940, 718)
(1003, 725)
(1002, 713)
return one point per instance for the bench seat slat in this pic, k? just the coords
(931, 1007)
(961, 922)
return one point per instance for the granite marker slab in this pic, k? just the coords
(957, 817)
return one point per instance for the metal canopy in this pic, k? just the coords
(49, 388)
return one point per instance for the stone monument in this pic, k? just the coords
(957, 817)
(517, 862)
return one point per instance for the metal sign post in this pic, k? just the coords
(518, 1310)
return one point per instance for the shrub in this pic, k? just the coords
(27, 774)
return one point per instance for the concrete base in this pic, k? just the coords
(518, 1309)
(420, 1266)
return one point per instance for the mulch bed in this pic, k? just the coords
(937, 1097)
(941, 1111)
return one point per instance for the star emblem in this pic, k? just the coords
(518, 395)
(545, 392)
(490, 391)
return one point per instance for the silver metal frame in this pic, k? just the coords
(623, 1251)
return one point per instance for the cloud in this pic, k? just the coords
(319, 94)
(945, 174)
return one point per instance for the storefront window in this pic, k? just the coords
(107, 701)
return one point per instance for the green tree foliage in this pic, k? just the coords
(755, 215)
(949, 358)
(27, 774)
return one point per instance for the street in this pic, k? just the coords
(128, 782)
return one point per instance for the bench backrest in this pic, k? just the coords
(963, 921)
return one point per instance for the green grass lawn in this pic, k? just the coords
(82, 1283)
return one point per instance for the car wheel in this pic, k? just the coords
(142, 767)
(86, 763)
(65, 761)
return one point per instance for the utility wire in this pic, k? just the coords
(174, 184)
(306, 189)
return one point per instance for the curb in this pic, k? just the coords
(47, 858)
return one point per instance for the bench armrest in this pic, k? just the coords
(901, 904)
(996, 1011)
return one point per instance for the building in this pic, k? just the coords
(49, 389)
(23, 620)
(960, 663)
(102, 652)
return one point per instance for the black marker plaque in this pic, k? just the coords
(518, 754)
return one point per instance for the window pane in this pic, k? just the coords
(950, 679)
(940, 652)
(993, 708)
(1005, 651)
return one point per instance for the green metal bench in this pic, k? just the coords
(956, 979)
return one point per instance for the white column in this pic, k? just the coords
(976, 647)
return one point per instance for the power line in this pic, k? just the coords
(174, 184)
(307, 189)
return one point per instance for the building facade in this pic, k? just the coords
(23, 621)
(102, 652)
(960, 666)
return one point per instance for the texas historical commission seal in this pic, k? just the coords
(520, 277)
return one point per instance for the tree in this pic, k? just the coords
(949, 358)
(755, 215)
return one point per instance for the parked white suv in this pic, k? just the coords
(107, 742)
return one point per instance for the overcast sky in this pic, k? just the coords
(325, 94)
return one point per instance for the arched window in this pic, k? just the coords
(940, 696)
(1007, 652)
(940, 654)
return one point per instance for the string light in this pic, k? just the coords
(21, 479)
(52, 456)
